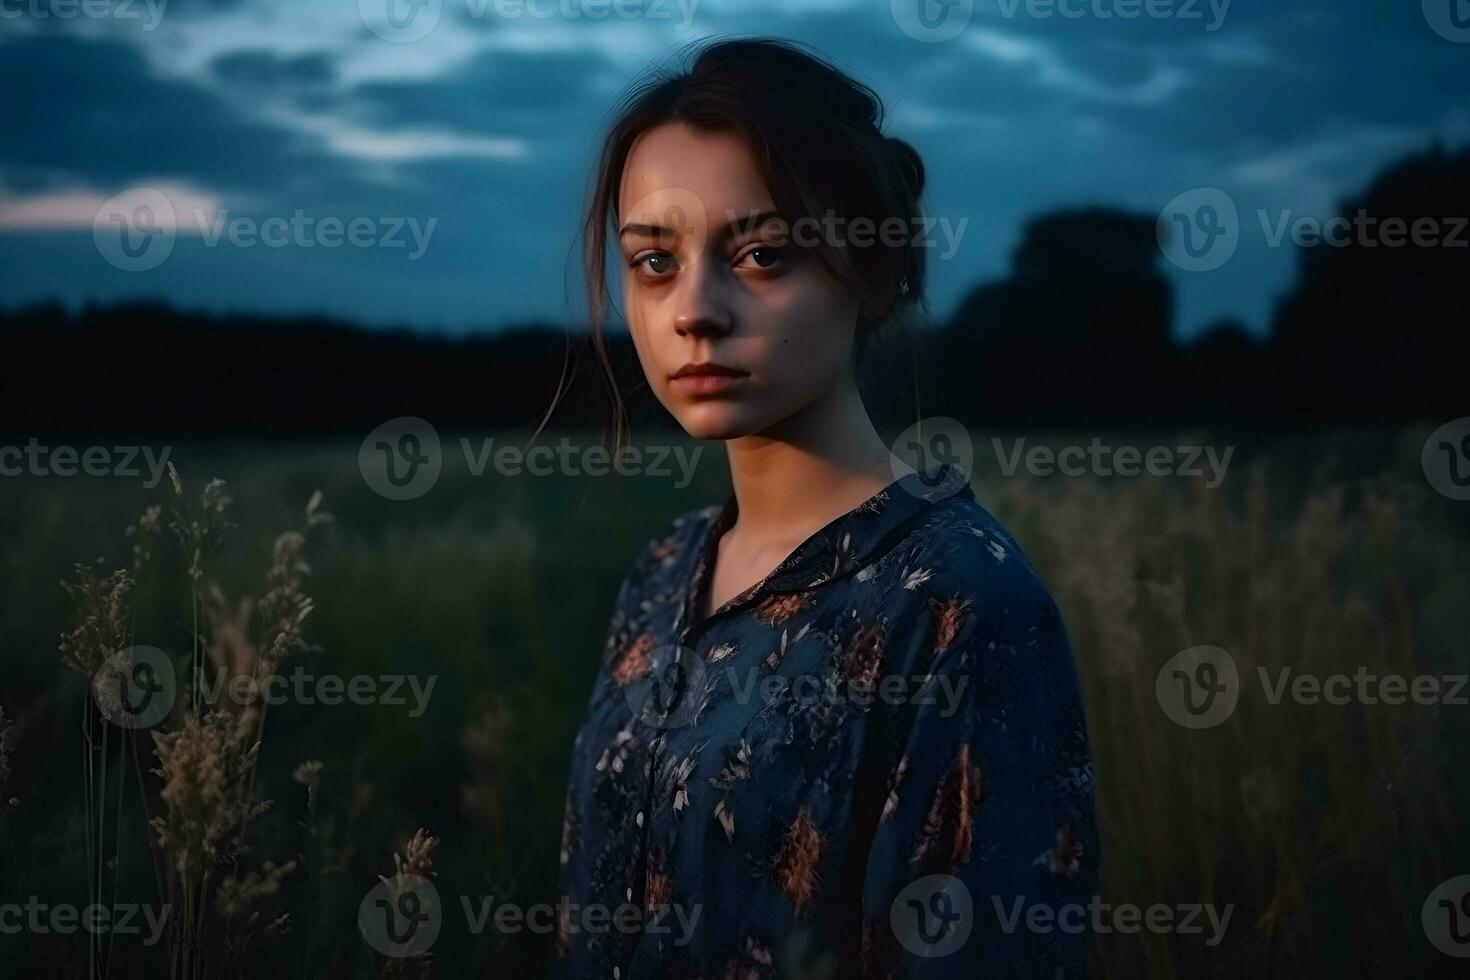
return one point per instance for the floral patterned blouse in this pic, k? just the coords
(871, 763)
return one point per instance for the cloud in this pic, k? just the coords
(420, 144)
(488, 92)
(266, 70)
(1051, 69)
(70, 210)
(95, 114)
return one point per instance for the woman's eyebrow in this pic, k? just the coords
(737, 225)
(646, 230)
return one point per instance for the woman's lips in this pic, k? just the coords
(706, 379)
(705, 384)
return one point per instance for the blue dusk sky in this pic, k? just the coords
(463, 131)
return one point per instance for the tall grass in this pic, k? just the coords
(1324, 826)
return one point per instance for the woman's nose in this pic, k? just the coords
(702, 311)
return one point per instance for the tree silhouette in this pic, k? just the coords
(1079, 331)
(1374, 329)
(1077, 334)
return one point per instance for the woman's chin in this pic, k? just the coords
(715, 420)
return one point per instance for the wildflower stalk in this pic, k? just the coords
(308, 774)
(208, 761)
(7, 804)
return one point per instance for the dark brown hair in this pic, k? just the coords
(818, 137)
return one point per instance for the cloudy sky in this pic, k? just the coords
(450, 139)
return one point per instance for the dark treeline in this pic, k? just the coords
(1078, 333)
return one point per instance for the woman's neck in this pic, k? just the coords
(795, 478)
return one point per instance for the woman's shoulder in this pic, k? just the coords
(674, 546)
(963, 546)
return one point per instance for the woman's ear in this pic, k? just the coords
(879, 303)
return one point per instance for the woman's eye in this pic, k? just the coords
(654, 265)
(762, 257)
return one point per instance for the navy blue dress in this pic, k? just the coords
(871, 763)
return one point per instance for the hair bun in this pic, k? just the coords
(909, 163)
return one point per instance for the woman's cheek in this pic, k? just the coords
(643, 343)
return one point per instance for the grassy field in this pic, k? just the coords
(1324, 826)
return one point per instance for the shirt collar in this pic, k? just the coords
(850, 541)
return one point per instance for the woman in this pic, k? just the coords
(837, 729)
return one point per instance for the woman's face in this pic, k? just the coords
(737, 328)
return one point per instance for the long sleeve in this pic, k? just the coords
(983, 862)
